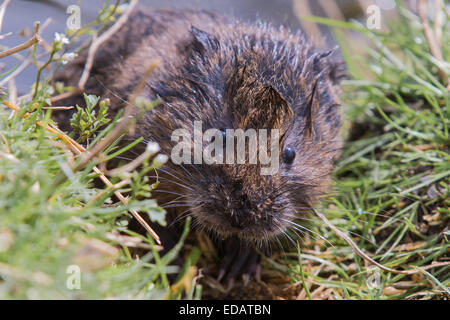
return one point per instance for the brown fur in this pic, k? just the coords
(229, 75)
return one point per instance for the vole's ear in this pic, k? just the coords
(332, 61)
(203, 41)
(272, 109)
(311, 110)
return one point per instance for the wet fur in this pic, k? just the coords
(228, 74)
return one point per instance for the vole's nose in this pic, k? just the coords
(238, 219)
(241, 214)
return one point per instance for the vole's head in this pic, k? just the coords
(252, 78)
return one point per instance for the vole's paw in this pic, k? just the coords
(239, 261)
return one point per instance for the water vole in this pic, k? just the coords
(228, 75)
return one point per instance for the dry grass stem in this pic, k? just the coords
(433, 38)
(123, 124)
(35, 39)
(96, 43)
(2, 12)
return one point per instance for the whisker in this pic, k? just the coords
(169, 192)
(183, 214)
(170, 174)
(351, 232)
(308, 230)
(171, 181)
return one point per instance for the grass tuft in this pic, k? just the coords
(390, 196)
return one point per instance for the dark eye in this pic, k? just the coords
(288, 155)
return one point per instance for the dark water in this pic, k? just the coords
(22, 14)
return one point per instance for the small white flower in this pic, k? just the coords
(50, 90)
(68, 57)
(35, 187)
(161, 159)
(418, 40)
(61, 38)
(153, 147)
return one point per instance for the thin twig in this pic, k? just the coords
(332, 10)
(27, 60)
(3, 36)
(422, 9)
(59, 108)
(35, 39)
(12, 90)
(2, 12)
(303, 8)
(438, 21)
(124, 123)
(96, 43)
(130, 166)
(16, 72)
(65, 95)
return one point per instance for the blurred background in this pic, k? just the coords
(20, 16)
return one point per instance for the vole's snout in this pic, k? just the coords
(242, 212)
(237, 218)
(240, 218)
